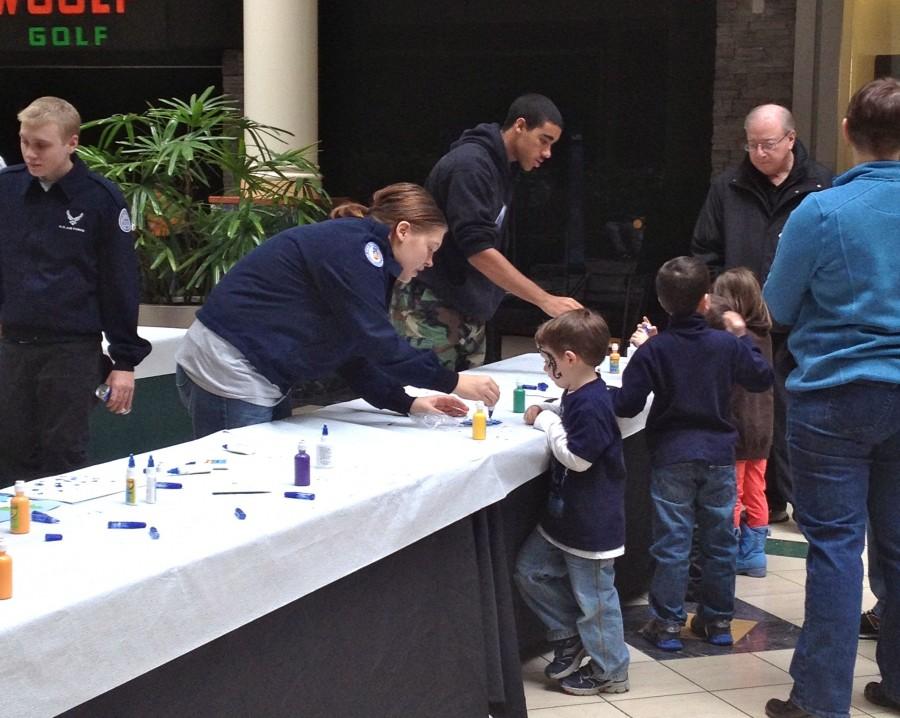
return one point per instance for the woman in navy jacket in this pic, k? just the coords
(311, 301)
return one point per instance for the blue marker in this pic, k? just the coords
(540, 386)
(126, 524)
(167, 485)
(299, 495)
(52, 537)
(240, 514)
(43, 518)
(154, 533)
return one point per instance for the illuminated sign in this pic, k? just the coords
(60, 25)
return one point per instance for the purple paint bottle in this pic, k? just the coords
(301, 466)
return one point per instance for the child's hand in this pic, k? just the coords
(531, 414)
(644, 331)
(734, 323)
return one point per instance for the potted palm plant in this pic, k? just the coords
(170, 159)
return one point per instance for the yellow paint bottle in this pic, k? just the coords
(479, 422)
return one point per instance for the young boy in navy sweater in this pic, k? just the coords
(565, 568)
(691, 368)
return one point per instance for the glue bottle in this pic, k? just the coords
(131, 482)
(614, 358)
(301, 465)
(5, 572)
(150, 473)
(19, 511)
(323, 449)
(519, 399)
(479, 422)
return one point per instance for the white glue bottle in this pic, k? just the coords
(150, 472)
(324, 458)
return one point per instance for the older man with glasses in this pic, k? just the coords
(739, 226)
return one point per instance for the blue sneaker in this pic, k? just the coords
(567, 657)
(665, 636)
(717, 632)
(586, 683)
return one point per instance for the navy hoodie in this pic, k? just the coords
(473, 185)
(691, 369)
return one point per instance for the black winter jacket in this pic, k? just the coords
(737, 227)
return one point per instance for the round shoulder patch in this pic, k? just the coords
(125, 221)
(374, 255)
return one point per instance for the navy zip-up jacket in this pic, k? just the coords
(67, 263)
(473, 186)
(313, 300)
(691, 369)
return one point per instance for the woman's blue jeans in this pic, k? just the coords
(845, 457)
(575, 596)
(683, 494)
(211, 413)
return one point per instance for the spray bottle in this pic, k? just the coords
(150, 473)
(19, 511)
(301, 465)
(324, 458)
(479, 422)
(131, 482)
(5, 572)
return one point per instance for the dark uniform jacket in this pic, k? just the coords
(744, 213)
(313, 300)
(68, 269)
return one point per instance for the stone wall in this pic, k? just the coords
(754, 65)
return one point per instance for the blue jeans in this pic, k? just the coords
(575, 596)
(845, 454)
(211, 413)
(682, 495)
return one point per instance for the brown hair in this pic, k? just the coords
(395, 203)
(740, 288)
(580, 331)
(873, 117)
(52, 109)
(681, 284)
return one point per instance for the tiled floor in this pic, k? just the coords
(730, 684)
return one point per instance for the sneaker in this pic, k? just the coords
(776, 708)
(666, 637)
(717, 632)
(567, 657)
(585, 683)
(869, 625)
(875, 694)
(778, 516)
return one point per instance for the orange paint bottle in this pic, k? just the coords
(5, 572)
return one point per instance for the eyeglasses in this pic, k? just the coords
(767, 146)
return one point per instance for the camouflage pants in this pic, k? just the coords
(421, 317)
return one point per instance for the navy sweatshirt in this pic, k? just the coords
(473, 185)
(68, 268)
(313, 300)
(691, 369)
(586, 509)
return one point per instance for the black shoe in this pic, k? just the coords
(717, 632)
(776, 708)
(567, 657)
(666, 637)
(869, 625)
(875, 694)
(778, 516)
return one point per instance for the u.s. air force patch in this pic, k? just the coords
(125, 221)
(374, 255)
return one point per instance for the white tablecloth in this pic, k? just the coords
(103, 606)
